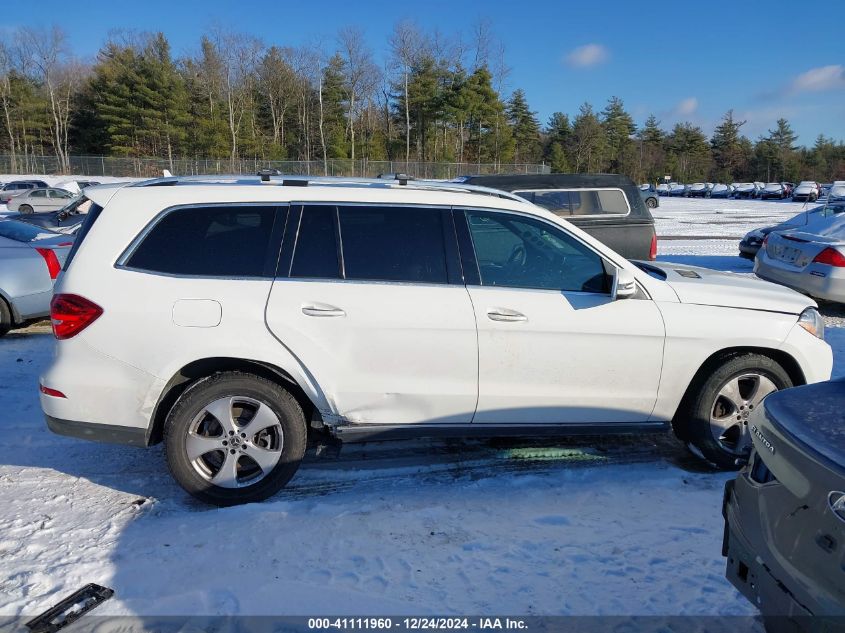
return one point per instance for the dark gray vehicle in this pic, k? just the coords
(785, 511)
(607, 206)
(30, 260)
(66, 220)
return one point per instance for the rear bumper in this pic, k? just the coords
(830, 286)
(98, 432)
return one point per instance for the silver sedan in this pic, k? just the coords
(30, 260)
(49, 199)
(810, 259)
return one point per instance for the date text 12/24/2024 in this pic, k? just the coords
(418, 624)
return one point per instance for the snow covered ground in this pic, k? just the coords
(616, 527)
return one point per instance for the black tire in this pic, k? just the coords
(25, 208)
(5, 317)
(692, 422)
(192, 403)
(651, 203)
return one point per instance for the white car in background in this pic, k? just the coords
(808, 190)
(837, 192)
(258, 313)
(38, 200)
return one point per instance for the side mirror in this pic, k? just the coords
(624, 284)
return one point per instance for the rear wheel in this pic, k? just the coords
(713, 419)
(25, 208)
(5, 318)
(651, 203)
(234, 438)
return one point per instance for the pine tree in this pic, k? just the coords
(526, 128)
(783, 139)
(727, 150)
(587, 142)
(618, 129)
(689, 148)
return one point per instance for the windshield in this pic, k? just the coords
(77, 205)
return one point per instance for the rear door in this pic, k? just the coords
(370, 299)
(37, 199)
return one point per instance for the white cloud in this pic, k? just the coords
(819, 79)
(687, 107)
(587, 56)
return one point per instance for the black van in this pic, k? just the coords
(607, 206)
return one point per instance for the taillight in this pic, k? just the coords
(47, 391)
(652, 251)
(71, 314)
(53, 265)
(831, 257)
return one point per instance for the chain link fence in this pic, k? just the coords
(153, 167)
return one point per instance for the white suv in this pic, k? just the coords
(230, 319)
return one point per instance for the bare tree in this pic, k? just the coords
(238, 56)
(483, 38)
(404, 45)
(359, 72)
(6, 69)
(45, 53)
(279, 85)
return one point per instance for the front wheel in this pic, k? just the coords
(713, 419)
(234, 438)
(651, 203)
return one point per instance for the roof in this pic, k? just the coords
(514, 182)
(219, 189)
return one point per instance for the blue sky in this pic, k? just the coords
(681, 61)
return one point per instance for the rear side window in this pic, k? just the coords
(393, 244)
(207, 242)
(315, 256)
(579, 201)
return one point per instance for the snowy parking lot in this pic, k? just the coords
(610, 527)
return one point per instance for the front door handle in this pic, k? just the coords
(322, 310)
(505, 314)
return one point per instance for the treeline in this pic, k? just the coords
(433, 98)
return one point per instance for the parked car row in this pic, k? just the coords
(807, 190)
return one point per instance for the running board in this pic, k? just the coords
(377, 432)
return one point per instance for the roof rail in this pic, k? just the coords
(327, 181)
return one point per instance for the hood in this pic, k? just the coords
(805, 188)
(703, 286)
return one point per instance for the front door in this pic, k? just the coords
(554, 346)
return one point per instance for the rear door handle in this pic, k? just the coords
(505, 314)
(322, 310)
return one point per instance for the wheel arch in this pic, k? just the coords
(784, 359)
(205, 367)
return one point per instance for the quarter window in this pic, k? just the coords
(518, 252)
(208, 242)
(579, 201)
(393, 244)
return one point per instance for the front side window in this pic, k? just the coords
(393, 244)
(518, 252)
(38, 193)
(208, 242)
